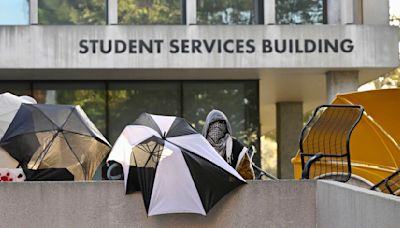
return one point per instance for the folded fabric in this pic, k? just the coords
(244, 166)
(12, 175)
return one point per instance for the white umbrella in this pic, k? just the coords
(174, 167)
(9, 105)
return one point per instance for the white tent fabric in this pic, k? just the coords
(9, 105)
(173, 190)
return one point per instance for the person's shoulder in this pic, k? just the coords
(236, 143)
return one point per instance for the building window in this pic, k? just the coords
(90, 96)
(127, 100)
(241, 12)
(14, 12)
(237, 99)
(112, 105)
(72, 12)
(300, 11)
(16, 88)
(149, 12)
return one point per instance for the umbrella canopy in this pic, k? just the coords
(375, 140)
(49, 140)
(9, 105)
(176, 168)
(374, 143)
(6, 161)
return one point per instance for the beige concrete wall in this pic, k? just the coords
(104, 204)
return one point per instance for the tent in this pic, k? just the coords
(174, 167)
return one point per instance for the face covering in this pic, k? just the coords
(220, 139)
(216, 132)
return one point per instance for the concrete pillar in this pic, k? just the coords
(347, 12)
(289, 122)
(358, 12)
(340, 82)
(269, 12)
(376, 12)
(341, 11)
(112, 12)
(333, 11)
(191, 12)
(33, 12)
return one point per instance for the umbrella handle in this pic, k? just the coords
(109, 176)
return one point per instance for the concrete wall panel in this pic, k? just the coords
(104, 204)
(376, 12)
(48, 47)
(322, 204)
(345, 206)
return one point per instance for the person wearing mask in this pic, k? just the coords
(218, 132)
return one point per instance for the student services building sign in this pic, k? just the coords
(258, 46)
(204, 46)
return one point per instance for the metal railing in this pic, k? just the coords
(389, 185)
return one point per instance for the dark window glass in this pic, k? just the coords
(148, 12)
(16, 88)
(238, 100)
(299, 11)
(225, 12)
(71, 12)
(123, 102)
(127, 100)
(90, 96)
(14, 12)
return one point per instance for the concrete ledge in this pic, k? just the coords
(285, 203)
(104, 204)
(343, 205)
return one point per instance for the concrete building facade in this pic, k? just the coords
(295, 67)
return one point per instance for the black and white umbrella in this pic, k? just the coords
(55, 142)
(174, 167)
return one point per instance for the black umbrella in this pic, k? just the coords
(174, 167)
(55, 142)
